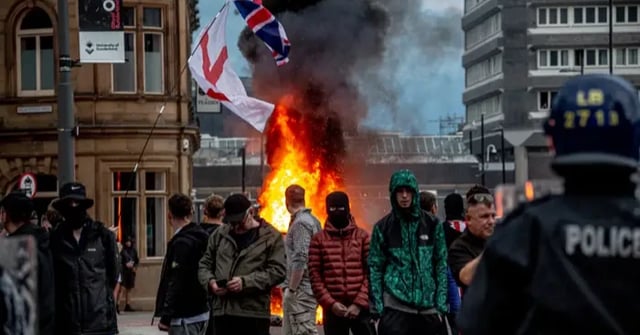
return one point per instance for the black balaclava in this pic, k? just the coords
(74, 216)
(338, 209)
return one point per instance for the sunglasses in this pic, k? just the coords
(480, 198)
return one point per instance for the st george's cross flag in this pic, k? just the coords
(212, 71)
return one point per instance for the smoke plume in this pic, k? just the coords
(415, 84)
(378, 65)
(330, 39)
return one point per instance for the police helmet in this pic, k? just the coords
(595, 119)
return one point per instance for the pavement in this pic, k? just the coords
(139, 323)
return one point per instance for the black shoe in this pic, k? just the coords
(128, 308)
(118, 310)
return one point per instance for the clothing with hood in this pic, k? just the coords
(261, 265)
(338, 266)
(46, 287)
(408, 255)
(179, 293)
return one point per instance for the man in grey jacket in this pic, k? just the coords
(298, 302)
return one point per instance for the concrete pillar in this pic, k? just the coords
(521, 159)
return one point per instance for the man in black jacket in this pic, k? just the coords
(15, 212)
(181, 303)
(86, 267)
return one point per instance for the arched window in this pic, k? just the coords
(35, 56)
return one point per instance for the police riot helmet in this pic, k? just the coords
(595, 120)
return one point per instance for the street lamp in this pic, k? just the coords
(610, 36)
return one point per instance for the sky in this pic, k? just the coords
(444, 85)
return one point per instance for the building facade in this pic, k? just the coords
(519, 53)
(115, 107)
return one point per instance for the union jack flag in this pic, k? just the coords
(266, 27)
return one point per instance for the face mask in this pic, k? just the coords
(74, 216)
(339, 219)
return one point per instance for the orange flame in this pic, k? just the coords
(293, 160)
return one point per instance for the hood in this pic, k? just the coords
(408, 179)
(329, 228)
(194, 232)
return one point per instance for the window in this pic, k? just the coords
(577, 15)
(483, 31)
(484, 70)
(488, 107)
(553, 58)
(592, 57)
(545, 99)
(153, 46)
(149, 57)
(145, 203)
(627, 14)
(627, 56)
(553, 16)
(471, 4)
(34, 54)
(124, 74)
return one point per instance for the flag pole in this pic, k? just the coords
(161, 110)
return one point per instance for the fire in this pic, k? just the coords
(296, 156)
(292, 151)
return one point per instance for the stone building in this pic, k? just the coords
(115, 108)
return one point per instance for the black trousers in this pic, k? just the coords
(236, 325)
(394, 322)
(335, 325)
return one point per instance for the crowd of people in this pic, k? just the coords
(538, 271)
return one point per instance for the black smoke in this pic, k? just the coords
(329, 40)
(377, 64)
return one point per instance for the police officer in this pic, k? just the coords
(570, 263)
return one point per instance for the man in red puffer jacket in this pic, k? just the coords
(338, 270)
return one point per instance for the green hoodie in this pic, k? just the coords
(408, 255)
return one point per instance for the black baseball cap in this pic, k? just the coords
(235, 208)
(17, 203)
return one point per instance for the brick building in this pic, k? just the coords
(115, 107)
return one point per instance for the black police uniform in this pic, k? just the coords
(570, 264)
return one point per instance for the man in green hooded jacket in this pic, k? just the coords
(408, 265)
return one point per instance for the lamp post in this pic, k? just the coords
(66, 145)
(502, 156)
(482, 147)
(610, 36)
(243, 153)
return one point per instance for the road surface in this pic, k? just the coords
(139, 323)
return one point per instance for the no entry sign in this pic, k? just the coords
(27, 183)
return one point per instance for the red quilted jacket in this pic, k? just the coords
(338, 266)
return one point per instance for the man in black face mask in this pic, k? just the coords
(86, 264)
(337, 269)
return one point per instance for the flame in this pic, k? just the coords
(277, 308)
(295, 158)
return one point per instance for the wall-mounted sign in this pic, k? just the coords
(101, 35)
(205, 104)
(34, 109)
(27, 183)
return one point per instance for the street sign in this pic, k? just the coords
(27, 183)
(102, 47)
(205, 104)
